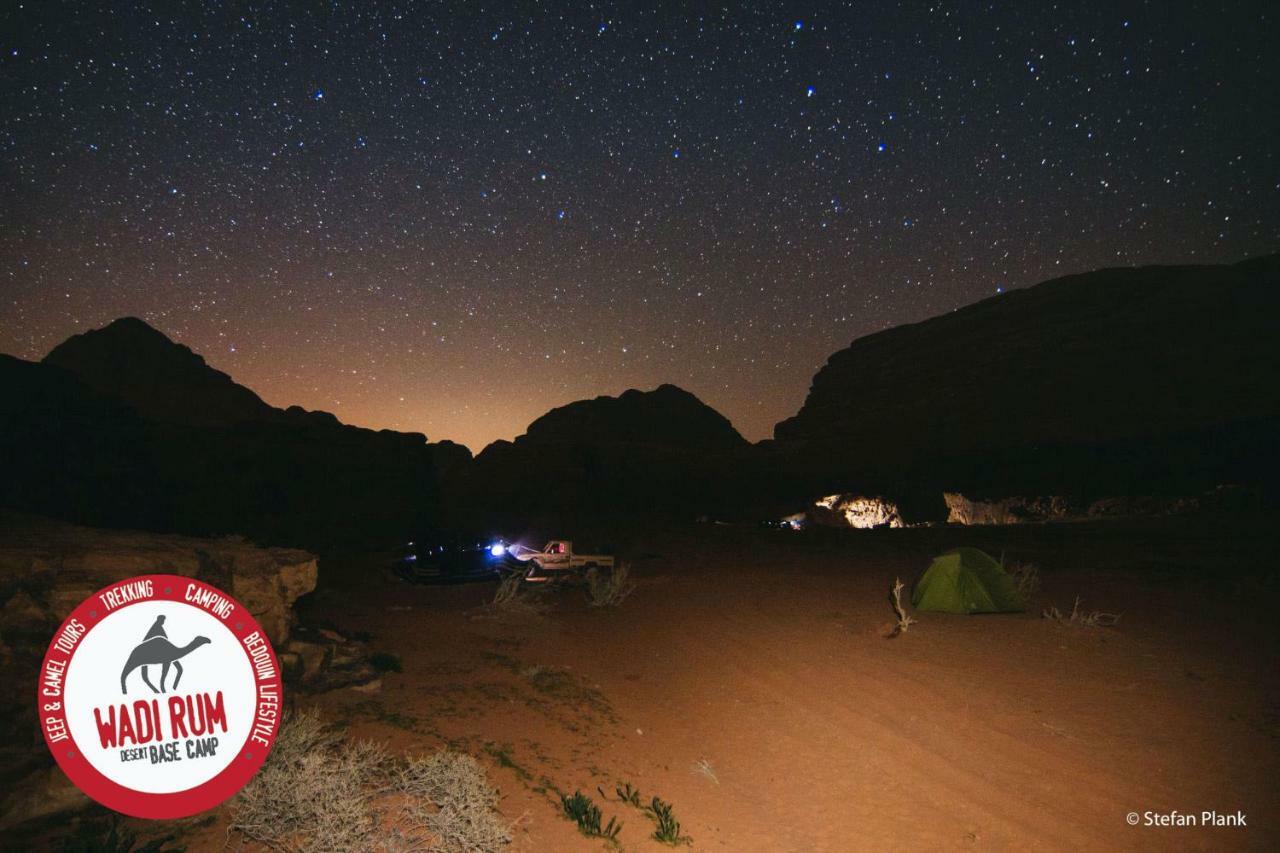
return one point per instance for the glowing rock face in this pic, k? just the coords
(855, 511)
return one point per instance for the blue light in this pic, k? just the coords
(497, 549)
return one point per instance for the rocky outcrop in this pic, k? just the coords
(54, 566)
(662, 451)
(1031, 510)
(164, 381)
(1121, 381)
(667, 416)
(321, 659)
(121, 427)
(48, 567)
(858, 511)
(1011, 510)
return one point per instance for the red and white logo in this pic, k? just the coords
(160, 696)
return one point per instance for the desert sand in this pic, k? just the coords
(749, 682)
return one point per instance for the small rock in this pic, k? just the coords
(312, 656)
(374, 686)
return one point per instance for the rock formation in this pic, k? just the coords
(1030, 510)
(163, 381)
(858, 511)
(1121, 381)
(659, 451)
(123, 427)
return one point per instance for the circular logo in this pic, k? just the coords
(160, 696)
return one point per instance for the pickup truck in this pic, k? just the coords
(557, 560)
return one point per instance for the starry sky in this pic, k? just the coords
(451, 217)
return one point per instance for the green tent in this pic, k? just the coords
(966, 580)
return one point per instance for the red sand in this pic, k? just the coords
(763, 654)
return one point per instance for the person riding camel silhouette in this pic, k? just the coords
(156, 649)
(157, 630)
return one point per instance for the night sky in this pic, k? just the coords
(449, 218)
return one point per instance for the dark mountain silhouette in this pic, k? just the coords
(1121, 381)
(659, 451)
(1116, 382)
(666, 416)
(162, 380)
(69, 452)
(123, 427)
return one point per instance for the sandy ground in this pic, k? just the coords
(748, 682)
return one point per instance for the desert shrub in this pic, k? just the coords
(586, 814)
(609, 589)
(315, 790)
(515, 597)
(1026, 580)
(508, 590)
(668, 829)
(1086, 619)
(895, 600)
(450, 797)
(319, 791)
(704, 767)
(386, 662)
(628, 794)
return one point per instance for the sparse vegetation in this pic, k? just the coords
(508, 590)
(586, 814)
(1026, 580)
(320, 791)
(703, 767)
(1090, 619)
(514, 597)
(450, 797)
(609, 588)
(668, 830)
(315, 790)
(504, 755)
(386, 662)
(628, 794)
(895, 598)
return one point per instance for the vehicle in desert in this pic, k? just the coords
(558, 560)
(455, 556)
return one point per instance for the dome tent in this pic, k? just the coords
(966, 580)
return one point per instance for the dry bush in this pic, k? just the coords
(320, 792)
(315, 791)
(1026, 580)
(895, 599)
(1091, 619)
(508, 590)
(609, 589)
(514, 597)
(449, 796)
(704, 767)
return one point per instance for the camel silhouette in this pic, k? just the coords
(158, 650)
